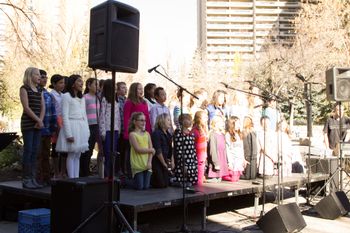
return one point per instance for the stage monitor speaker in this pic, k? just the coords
(114, 37)
(73, 200)
(338, 84)
(283, 218)
(333, 206)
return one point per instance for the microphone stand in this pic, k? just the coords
(280, 165)
(184, 227)
(263, 184)
(308, 104)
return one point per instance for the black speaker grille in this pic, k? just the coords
(114, 37)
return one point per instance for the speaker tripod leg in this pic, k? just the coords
(121, 217)
(327, 182)
(88, 219)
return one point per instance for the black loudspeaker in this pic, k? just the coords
(114, 37)
(283, 218)
(333, 206)
(338, 84)
(73, 200)
(325, 166)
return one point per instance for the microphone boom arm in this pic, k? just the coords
(179, 86)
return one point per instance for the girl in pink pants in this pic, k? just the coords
(200, 131)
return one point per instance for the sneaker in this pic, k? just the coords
(28, 184)
(213, 180)
(35, 183)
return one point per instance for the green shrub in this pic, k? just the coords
(10, 154)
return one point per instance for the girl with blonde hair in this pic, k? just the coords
(141, 151)
(33, 104)
(250, 148)
(163, 161)
(217, 156)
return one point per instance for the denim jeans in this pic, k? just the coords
(107, 150)
(85, 157)
(31, 143)
(142, 180)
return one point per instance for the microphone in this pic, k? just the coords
(300, 77)
(225, 84)
(153, 68)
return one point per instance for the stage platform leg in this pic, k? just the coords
(204, 215)
(296, 193)
(256, 204)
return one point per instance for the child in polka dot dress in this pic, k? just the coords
(184, 148)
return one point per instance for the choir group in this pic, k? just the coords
(159, 142)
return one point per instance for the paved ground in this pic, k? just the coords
(241, 221)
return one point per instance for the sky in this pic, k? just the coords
(168, 31)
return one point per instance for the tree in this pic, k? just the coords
(34, 37)
(321, 41)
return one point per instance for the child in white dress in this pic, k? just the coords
(74, 136)
(234, 148)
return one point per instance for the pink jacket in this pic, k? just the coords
(129, 108)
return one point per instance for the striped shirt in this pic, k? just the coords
(34, 102)
(92, 106)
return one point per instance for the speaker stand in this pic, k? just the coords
(115, 208)
(110, 204)
(340, 168)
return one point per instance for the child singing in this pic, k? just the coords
(74, 136)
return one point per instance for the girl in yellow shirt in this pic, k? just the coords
(141, 151)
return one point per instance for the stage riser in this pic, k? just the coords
(135, 202)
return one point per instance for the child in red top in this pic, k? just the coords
(200, 131)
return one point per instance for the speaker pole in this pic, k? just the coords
(341, 140)
(112, 206)
(110, 215)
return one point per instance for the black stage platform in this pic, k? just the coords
(134, 202)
